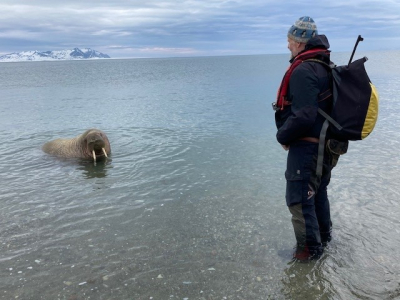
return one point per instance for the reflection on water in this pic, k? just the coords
(96, 169)
(307, 281)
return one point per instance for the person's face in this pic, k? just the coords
(295, 47)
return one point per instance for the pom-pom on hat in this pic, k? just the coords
(303, 30)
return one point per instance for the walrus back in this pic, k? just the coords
(69, 148)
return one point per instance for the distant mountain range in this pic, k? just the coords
(75, 53)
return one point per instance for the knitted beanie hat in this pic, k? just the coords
(303, 30)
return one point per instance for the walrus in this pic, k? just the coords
(91, 144)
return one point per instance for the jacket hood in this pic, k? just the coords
(318, 42)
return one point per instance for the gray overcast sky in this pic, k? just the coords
(138, 28)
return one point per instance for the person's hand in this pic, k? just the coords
(286, 147)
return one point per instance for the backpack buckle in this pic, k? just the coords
(275, 107)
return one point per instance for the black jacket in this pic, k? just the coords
(307, 82)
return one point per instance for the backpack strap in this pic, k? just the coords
(321, 148)
(328, 119)
(319, 61)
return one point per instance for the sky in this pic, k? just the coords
(177, 28)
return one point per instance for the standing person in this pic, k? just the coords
(305, 88)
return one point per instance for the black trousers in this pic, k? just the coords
(306, 195)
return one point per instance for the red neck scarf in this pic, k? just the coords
(281, 100)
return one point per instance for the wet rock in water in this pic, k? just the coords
(91, 280)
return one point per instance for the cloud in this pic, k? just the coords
(204, 27)
(169, 50)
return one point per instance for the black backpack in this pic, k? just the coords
(355, 106)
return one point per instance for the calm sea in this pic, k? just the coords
(191, 204)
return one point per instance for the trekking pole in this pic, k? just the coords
(359, 39)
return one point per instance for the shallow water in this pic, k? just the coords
(191, 203)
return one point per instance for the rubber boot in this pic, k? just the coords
(304, 254)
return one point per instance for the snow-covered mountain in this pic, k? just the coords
(75, 53)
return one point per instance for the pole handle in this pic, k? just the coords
(359, 39)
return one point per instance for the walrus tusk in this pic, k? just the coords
(94, 155)
(104, 151)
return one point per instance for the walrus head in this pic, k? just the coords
(97, 144)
